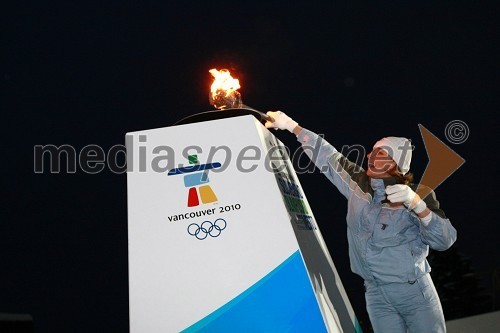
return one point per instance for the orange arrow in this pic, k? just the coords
(443, 161)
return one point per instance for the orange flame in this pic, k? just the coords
(224, 90)
(223, 81)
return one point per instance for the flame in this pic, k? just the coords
(223, 81)
(224, 90)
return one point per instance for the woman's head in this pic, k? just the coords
(391, 156)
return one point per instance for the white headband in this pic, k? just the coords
(399, 149)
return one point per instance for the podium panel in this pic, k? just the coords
(221, 237)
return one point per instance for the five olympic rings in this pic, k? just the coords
(207, 228)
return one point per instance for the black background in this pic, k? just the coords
(85, 72)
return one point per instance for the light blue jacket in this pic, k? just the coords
(386, 244)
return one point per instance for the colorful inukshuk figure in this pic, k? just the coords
(389, 229)
(197, 181)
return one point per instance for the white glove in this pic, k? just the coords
(281, 121)
(403, 193)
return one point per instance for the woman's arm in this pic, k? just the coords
(435, 229)
(437, 232)
(347, 176)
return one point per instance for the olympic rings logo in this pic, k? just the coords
(207, 228)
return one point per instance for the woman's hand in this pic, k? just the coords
(281, 121)
(403, 193)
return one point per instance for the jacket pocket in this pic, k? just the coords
(390, 228)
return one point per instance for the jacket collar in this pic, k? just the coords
(390, 181)
(378, 186)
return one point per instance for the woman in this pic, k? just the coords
(389, 228)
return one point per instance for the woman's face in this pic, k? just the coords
(379, 164)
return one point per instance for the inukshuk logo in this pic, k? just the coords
(196, 180)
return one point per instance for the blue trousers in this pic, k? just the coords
(405, 307)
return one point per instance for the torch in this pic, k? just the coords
(224, 93)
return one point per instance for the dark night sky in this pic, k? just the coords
(87, 72)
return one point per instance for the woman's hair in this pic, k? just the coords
(401, 179)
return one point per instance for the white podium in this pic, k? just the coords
(221, 236)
